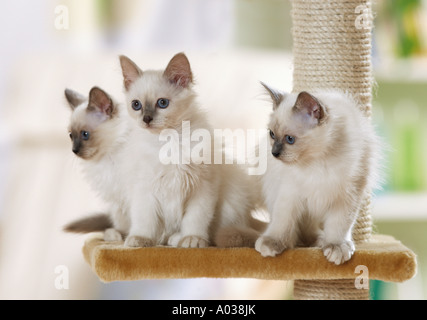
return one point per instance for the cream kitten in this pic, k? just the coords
(320, 164)
(99, 131)
(186, 203)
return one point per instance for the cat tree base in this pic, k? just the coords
(381, 258)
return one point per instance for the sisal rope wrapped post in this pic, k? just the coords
(332, 49)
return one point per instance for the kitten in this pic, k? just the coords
(187, 203)
(320, 164)
(99, 130)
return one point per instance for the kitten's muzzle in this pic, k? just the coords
(277, 149)
(76, 146)
(147, 119)
(148, 113)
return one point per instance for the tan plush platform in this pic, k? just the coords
(386, 259)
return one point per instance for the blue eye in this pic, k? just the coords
(85, 135)
(290, 139)
(272, 134)
(162, 103)
(136, 105)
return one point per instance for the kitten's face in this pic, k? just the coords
(298, 133)
(157, 104)
(89, 128)
(158, 100)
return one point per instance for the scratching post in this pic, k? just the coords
(332, 49)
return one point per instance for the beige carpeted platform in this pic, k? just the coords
(386, 259)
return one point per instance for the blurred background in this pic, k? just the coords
(232, 45)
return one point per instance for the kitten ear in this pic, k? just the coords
(74, 98)
(100, 101)
(276, 95)
(178, 71)
(130, 71)
(310, 106)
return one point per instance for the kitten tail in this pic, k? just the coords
(94, 223)
(239, 236)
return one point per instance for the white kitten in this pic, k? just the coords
(99, 132)
(186, 203)
(321, 162)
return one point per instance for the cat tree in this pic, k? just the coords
(332, 49)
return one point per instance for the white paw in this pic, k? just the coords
(174, 239)
(137, 241)
(269, 247)
(112, 235)
(339, 253)
(193, 242)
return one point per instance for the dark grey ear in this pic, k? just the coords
(100, 101)
(74, 98)
(276, 95)
(309, 106)
(178, 71)
(130, 71)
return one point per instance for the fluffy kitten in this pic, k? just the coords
(186, 203)
(320, 164)
(99, 131)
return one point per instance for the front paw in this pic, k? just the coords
(339, 253)
(174, 239)
(193, 242)
(137, 241)
(112, 234)
(269, 247)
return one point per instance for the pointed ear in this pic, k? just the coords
(276, 95)
(100, 101)
(309, 105)
(178, 71)
(74, 98)
(130, 71)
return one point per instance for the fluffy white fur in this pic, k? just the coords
(182, 204)
(314, 187)
(106, 163)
